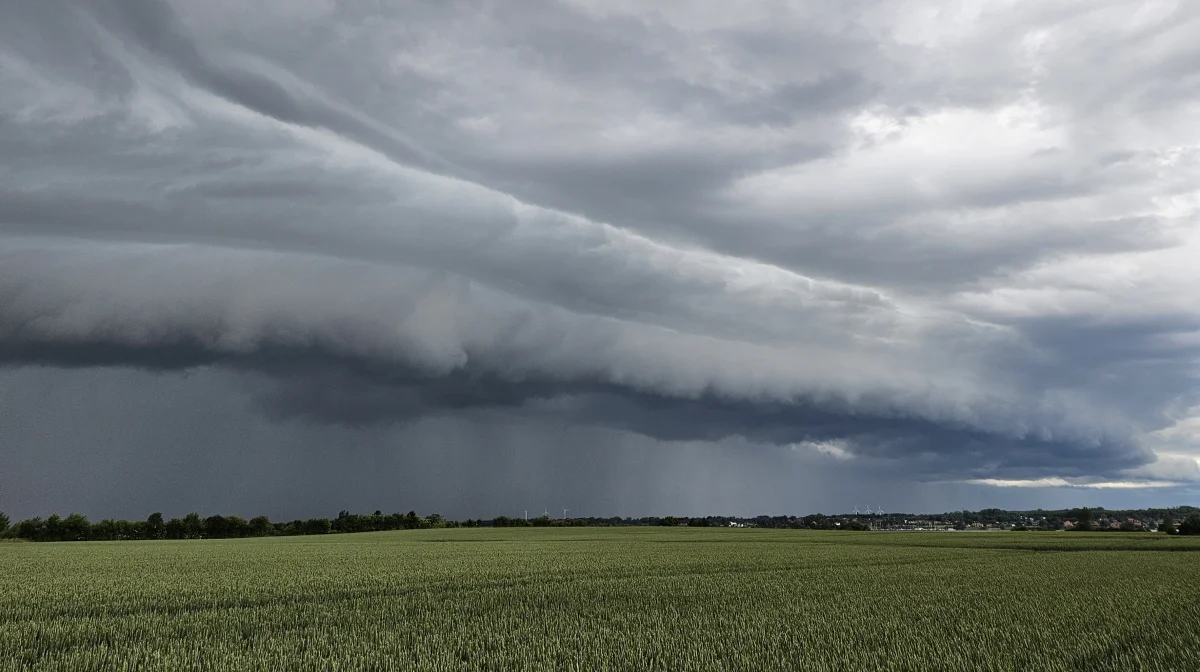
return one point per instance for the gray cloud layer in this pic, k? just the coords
(960, 243)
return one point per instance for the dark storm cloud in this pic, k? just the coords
(947, 243)
(327, 389)
(327, 379)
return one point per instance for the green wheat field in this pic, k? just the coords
(606, 599)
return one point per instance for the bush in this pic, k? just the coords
(1191, 525)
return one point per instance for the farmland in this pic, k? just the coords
(617, 599)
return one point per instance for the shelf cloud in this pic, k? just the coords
(958, 245)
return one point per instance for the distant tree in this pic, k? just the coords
(54, 528)
(4, 523)
(1127, 526)
(347, 522)
(216, 527)
(75, 528)
(817, 521)
(260, 526)
(1167, 525)
(1083, 519)
(1190, 525)
(193, 527)
(237, 527)
(155, 527)
(33, 529)
(173, 529)
(128, 530)
(105, 530)
(317, 526)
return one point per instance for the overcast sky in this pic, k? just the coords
(625, 258)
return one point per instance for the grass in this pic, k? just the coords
(606, 599)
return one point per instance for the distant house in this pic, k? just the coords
(1068, 525)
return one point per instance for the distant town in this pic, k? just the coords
(1096, 519)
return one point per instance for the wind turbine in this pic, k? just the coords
(856, 511)
(868, 509)
(565, 513)
(526, 514)
(546, 513)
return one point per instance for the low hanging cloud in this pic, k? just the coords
(920, 239)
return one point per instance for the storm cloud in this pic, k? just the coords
(957, 246)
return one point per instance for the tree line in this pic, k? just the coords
(77, 527)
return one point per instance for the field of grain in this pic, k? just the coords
(606, 599)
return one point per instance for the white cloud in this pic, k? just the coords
(1054, 482)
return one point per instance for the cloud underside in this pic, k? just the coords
(344, 343)
(918, 240)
